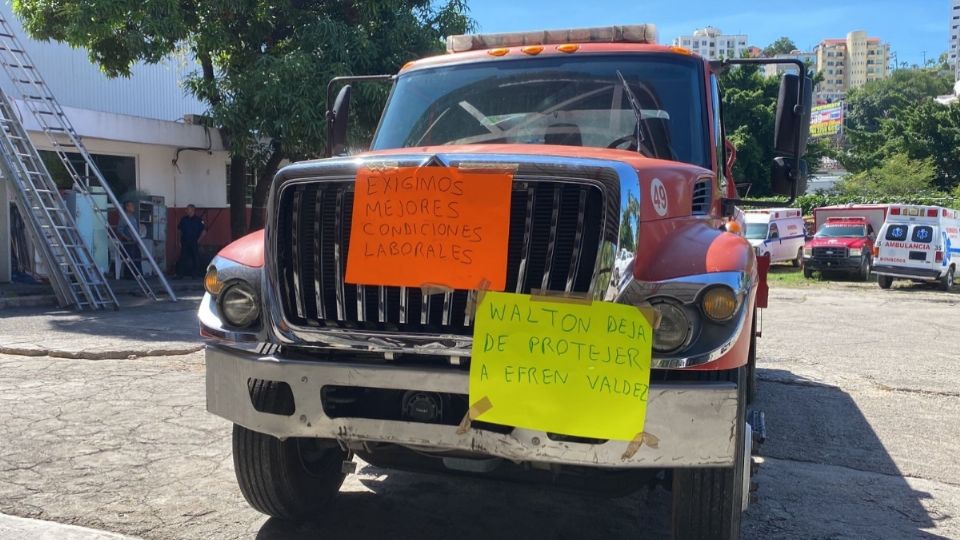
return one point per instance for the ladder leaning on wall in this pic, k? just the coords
(75, 276)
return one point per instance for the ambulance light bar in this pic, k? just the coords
(915, 211)
(635, 33)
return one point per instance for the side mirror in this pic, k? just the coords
(793, 116)
(337, 121)
(783, 177)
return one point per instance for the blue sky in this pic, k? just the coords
(910, 26)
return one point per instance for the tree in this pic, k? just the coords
(869, 106)
(264, 64)
(898, 176)
(783, 45)
(927, 131)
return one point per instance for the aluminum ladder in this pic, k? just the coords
(46, 110)
(73, 273)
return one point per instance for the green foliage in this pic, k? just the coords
(898, 176)
(782, 45)
(877, 110)
(816, 200)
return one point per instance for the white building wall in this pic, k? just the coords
(198, 177)
(153, 91)
(712, 44)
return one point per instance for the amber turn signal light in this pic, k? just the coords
(211, 281)
(719, 303)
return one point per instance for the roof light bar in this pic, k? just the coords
(635, 33)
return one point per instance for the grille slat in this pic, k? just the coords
(317, 258)
(527, 234)
(554, 239)
(297, 266)
(577, 240)
(337, 263)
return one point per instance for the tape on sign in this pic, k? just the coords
(642, 438)
(475, 410)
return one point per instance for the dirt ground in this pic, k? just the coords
(857, 384)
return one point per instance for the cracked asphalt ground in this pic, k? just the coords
(858, 385)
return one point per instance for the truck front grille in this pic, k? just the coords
(555, 237)
(829, 253)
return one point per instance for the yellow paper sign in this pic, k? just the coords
(561, 367)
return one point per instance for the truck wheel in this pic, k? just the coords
(708, 502)
(946, 282)
(885, 281)
(294, 479)
(864, 273)
(799, 260)
(807, 273)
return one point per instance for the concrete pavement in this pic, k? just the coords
(14, 528)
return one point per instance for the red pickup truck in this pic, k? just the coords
(841, 245)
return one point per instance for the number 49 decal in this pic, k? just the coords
(658, 196)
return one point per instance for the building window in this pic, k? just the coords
(120, 172)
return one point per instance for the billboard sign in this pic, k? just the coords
(826, 120)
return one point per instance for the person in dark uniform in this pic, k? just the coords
(192, 228)
(128, 237)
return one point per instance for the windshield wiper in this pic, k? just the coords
(635, 105)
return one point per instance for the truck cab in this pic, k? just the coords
(607, 155)
(919, 243)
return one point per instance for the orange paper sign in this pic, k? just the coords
(416, 226)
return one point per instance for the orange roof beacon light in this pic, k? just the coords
(636, 33)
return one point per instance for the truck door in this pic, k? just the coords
(774, 244)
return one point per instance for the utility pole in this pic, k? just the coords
(924, 58)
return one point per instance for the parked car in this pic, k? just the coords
(779, 232)
(921, 243)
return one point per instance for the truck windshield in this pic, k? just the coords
(757, 231)
(838, 231)
(569, 100)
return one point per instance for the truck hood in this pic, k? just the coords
(847, 242)
(673, 181)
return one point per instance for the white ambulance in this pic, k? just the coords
(920, 243)
(778, 231)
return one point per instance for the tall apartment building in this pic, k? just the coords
(713, 44)
(850, 63)
(955, 36)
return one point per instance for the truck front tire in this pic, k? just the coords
(707, 502)
(885, 281)
(864, 272)
(295, 479)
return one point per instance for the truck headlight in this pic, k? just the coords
(856, 252)
(239, 305)
(674, 327)
(807, 252)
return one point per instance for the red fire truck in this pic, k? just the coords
(619, 192)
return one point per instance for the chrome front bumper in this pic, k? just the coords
(694, 422)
